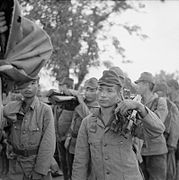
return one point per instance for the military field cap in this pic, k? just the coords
(118, 71)
(68, 81)
(173, 83)
(146, 77)
(161, 86)
(109, 78)
(92, 83)
(22, 85)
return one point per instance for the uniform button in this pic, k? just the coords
(23, 132)
(106, 158)
(105, 145)
(107, 172)
(121, 142)
(37, 129)
(22, 146)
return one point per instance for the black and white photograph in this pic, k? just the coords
(89, 90)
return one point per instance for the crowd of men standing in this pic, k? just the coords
(158, 150)
(98, 133)
(91, 131)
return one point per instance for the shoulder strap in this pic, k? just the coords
(154, 104)
(167, 122)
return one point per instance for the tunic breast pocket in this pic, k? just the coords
(128, 157)
(35, 137)
(15, 133)
(95, 147)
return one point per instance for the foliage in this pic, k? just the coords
(73, 26)
(164, 76)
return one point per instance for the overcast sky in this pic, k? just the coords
(160, 21)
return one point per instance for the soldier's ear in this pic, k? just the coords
(117, 100)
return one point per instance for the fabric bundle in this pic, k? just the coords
(27, 49)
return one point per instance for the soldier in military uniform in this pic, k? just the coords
(32, 135)
(154, 152)
(63, 119)
(171, 129)
(88, 104)
(173, 92)
(109, 150)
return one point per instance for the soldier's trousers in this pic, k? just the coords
(70, 158)
(17, 172)
(154, 167)
(63, 159)
(4, 164)
(22, 177)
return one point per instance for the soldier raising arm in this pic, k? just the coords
(110, 153)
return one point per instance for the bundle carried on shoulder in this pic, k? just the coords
(25, 47)
(65, 99)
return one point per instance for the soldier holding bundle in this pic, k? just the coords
(110, 152)
(24, 49)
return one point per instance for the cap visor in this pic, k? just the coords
(107, 84)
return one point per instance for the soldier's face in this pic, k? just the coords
(30, 90)
(108, 96)
(141, 87)
(62, 87)
(90, 94)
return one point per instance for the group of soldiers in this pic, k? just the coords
(94, 133)
(94, 140)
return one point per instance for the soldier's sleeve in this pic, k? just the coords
(162, 109)
(6, 117)
(1, 121)
(8, 114)
(173, 136)
(82, 110)
(47, 145)
(151, 126)
(70, 130)
(1, 117)
(81, 159)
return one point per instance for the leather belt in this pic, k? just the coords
(25, 152)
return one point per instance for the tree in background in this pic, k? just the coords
(164, 76)
(73, 26)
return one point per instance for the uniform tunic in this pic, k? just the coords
(158, 145)
(81, 111)
(110, 153)
(34, 132)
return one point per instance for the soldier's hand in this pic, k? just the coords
(3, 26)
(80, 98)
(73, 92)
(67, 142)
(126, 105)
(171, 149)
